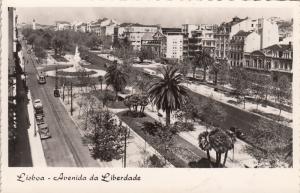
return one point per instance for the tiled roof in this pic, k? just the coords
(258, 52)
(279, 47)
(243, 33)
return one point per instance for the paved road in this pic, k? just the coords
(66, 147)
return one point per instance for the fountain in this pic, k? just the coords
(77, 59)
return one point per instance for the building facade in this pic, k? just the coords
(242, 43)
(173, 45)
(277, 59)
(62, 25)
(134, 33)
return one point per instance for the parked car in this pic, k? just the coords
(56, 92)
(38, 108)
(238, 133)
(37, 103)
(44, 131)
(39, 120)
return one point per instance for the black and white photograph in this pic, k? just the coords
(113, 87)
(149, 87)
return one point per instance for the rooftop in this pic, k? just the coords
(279, 47)
(135, 25)
(243, 33)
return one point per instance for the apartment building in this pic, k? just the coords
(173, 45)
(103, 27)
(267, 30)
(62, 25)
(240, 44)
(222, 38)
(277, 59)
(134, 32)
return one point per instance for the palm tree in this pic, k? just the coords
(204, 144)
(167, 93)
(116, 78)
(219, 140)
(100, 79)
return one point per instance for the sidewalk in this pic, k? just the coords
(136, 145)
(37, 153)
(209, 92)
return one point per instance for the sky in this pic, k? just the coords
(168, 17)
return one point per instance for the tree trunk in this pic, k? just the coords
(116, 96)
(194, 71)
(101, 85)
(208, 155)
(217, 159)
(204, 74)
(225, 157)
(168, 117)
(216, 78)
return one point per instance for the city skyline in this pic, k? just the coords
(162, 16)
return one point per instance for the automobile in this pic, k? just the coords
(44, 131)
(39, 120)
(56, 92)
(37, 104)
(41, 79)
(238, 133)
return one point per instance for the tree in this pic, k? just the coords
(134, 101)
(219, 140)
(106, 136)
(100, 79)
(282, 91)
(116, 78)
(240, 81)
(93, 41)
(142, 82)
(163, 135)
(257, 86)
(216, 68)
(167, 93)
(188, 111)
(58, 45)
(145, 54)
(203, 60)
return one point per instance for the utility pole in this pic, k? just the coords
(71, 100)
(127, 132)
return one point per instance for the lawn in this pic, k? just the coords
(64, 73)
(271, 116)
(58, 67)
(181, 154)
(60, 58)
(244, 121)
